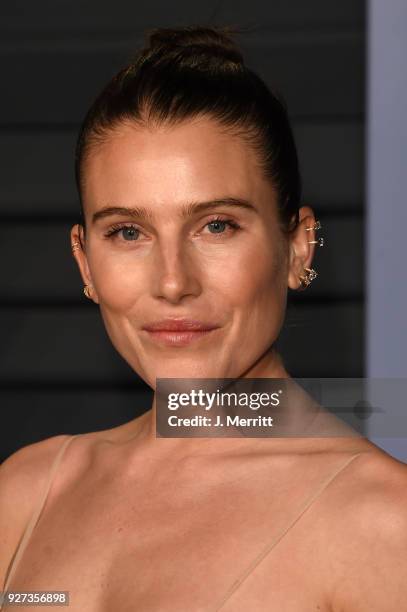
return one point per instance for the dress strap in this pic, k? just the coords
(37, 513)
(263, 554)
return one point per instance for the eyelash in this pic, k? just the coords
(115, 229)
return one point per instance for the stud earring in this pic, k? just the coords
(306, 279)
(75, 246)
(312, 274)
(86, 291)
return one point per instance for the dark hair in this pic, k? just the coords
(189, 71)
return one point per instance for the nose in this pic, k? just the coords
(176, 273)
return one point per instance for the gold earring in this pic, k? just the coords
(86, 291)
(307, 278)
(312, 274)
(75, 246)
(319, 242)
(317, 225)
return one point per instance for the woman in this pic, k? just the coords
(193, 230)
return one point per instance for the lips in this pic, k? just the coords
(179, 325)
(178, 332)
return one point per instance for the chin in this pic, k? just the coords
(186, 370)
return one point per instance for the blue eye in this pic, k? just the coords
(129, 232)
(220, 224)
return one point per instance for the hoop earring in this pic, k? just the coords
(317, 225)
(319, 242)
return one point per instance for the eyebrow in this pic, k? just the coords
(186, 211)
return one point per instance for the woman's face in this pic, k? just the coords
(158, 246)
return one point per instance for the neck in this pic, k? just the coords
(301, 414)
(269, 365)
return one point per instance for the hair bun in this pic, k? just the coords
(207, 40)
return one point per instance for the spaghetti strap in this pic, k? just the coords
(252, 566)
(37, 513)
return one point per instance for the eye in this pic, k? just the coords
(218, 225)
(129, 232)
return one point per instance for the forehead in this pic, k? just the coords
(158, 165)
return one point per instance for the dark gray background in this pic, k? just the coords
(59, 372)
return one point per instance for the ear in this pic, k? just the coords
(301, 252)
(78, 237)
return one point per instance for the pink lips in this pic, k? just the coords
(178, 332)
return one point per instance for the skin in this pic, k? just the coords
(234, 491)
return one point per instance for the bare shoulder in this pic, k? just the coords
(376, 481)
(22, 477)
(118, 433)
(368, 542)
(372, 495)
(23, 473)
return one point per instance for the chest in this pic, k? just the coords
(239, 546)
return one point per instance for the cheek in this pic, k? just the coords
(263, 311)
(117, 281)
(256, 278)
